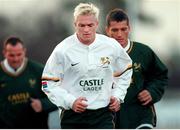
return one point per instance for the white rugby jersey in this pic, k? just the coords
(76, 70)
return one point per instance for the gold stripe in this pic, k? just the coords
(117, 74)
(62, 113)
(154, 115)
(130, 48)
(51, 79)
(113, 121)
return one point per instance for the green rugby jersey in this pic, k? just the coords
(148, 73)
(15, 93)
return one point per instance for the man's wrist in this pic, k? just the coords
(120, 101)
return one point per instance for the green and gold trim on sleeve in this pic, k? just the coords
(55, 79)
(117, 74)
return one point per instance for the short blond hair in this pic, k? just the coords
(86, 9)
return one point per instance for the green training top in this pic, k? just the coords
(148, 73)
(15, 93)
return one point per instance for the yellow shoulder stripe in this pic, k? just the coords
(55, 79)
(117, 74)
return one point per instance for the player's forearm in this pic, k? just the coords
(121, 85)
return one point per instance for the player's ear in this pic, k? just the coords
(75, 24)
(97, 22)
(129, 27)
(25, 50)
(107, 31)
(4, 52)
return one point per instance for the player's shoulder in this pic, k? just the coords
(107, 41)
(104, 37)
(34, 64)
(141, 46)
(65, 44)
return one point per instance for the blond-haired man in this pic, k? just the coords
(87, 74)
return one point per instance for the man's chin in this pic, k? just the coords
(15, 67)
(87, 37)
(121, 41)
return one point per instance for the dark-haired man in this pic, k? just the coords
(23, 104)
(149, 76)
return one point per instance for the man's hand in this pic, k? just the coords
(144, 97)
(36, 105)
(114, 104)
(80, 105)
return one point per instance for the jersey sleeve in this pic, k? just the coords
(156, 77)
(52, 77)
(122, 73)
